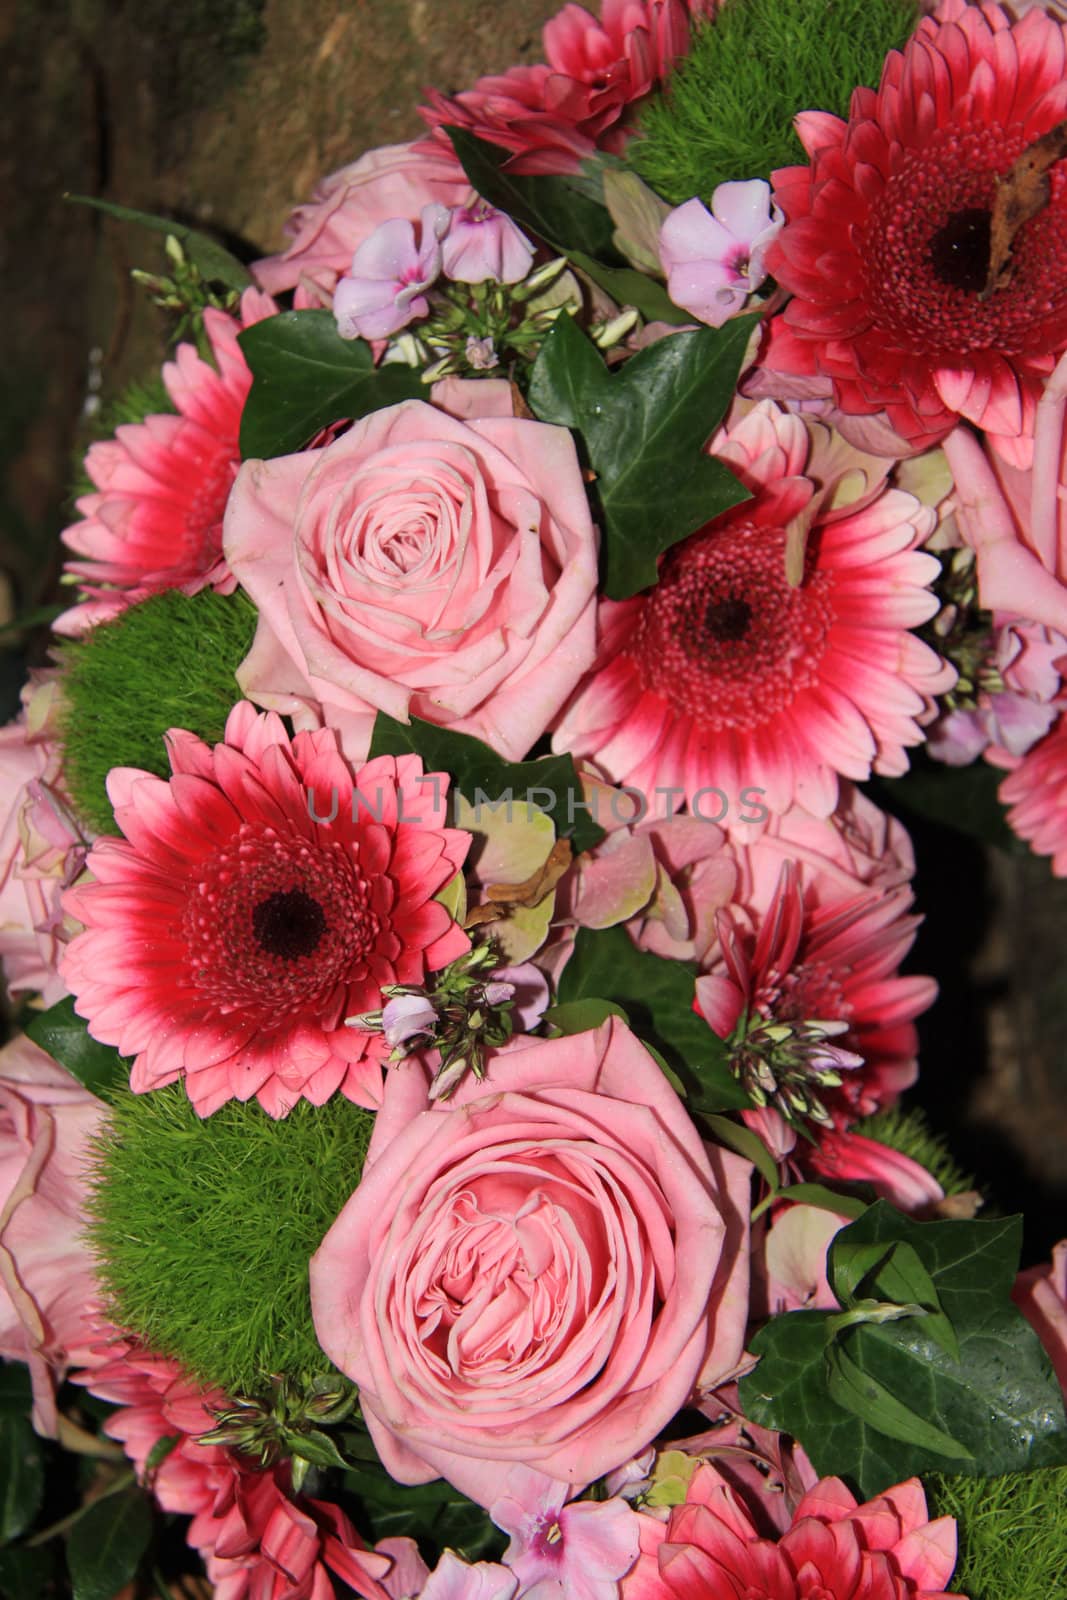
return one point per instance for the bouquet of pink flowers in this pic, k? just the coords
(453, 1150)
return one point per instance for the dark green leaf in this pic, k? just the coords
(657, 996)
(892, 1272)
(21, 1476)
(643, 428)
(433, 1513)
(25, 1573)
(748, 1144)
(963, 798)
(316, 1447)
(16, 1393)
(999, 1402)
(213, 260)
(579, 1016)
(485, 779)
(817, 1194)
(559, 210)
(106, 1544)
(872, 1402)
(65, 1036)
(305, 376)
(628, 287)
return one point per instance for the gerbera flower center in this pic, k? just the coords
(278, 923)
(925, 251)
(288, 923)
(723, 636)
(959, 252)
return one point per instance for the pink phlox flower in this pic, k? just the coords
(482, 243)
(386, 286)
(453, 1579)
(714, 259)
(1004, 724)
(560, 1546)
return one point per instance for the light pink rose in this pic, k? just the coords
(420, 566)
(539, 1271)
(346, 208)
(1041, 1295)
(41, 850)
(46, 1280)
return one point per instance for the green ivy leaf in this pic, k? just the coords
(892, 1272)
(549, 784)
(999, 1404)
(21, 1476)
(657, 997)
(643, 429)
(872, 1402)
(106, 1544)
(560, 210)
(65, 1036)
(213, 261)
(305, 376)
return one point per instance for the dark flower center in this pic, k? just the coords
(727, 619)
(959, 251)
(723, 637)
(289, 924)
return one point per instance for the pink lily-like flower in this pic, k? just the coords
(714, 259)
(561, 1546)
(385, 289)
(483, 243)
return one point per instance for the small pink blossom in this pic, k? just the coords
(577, 1549)
(453, 1579)
(385, 288)
(482, 243)
(714, 259)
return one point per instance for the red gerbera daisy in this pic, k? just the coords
(232, 932)
(554, 115)
(725, 676)
(255, 1535)
(886, 247)
(835, 1548)
(155, 521)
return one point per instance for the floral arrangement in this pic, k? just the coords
(452, 882)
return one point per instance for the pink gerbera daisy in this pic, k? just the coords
(886, 247)
(553, 115)
(726, 676)
(263, 895)
(1037, 794)
(155, 520)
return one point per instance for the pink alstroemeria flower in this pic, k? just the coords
(714, 259)
(483, 243)
(385, 288)
(583, 1547)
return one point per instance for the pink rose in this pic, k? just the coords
(41, 850)
(46, 1122)
(419, 565)
(346, 208)
(539, 1271)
